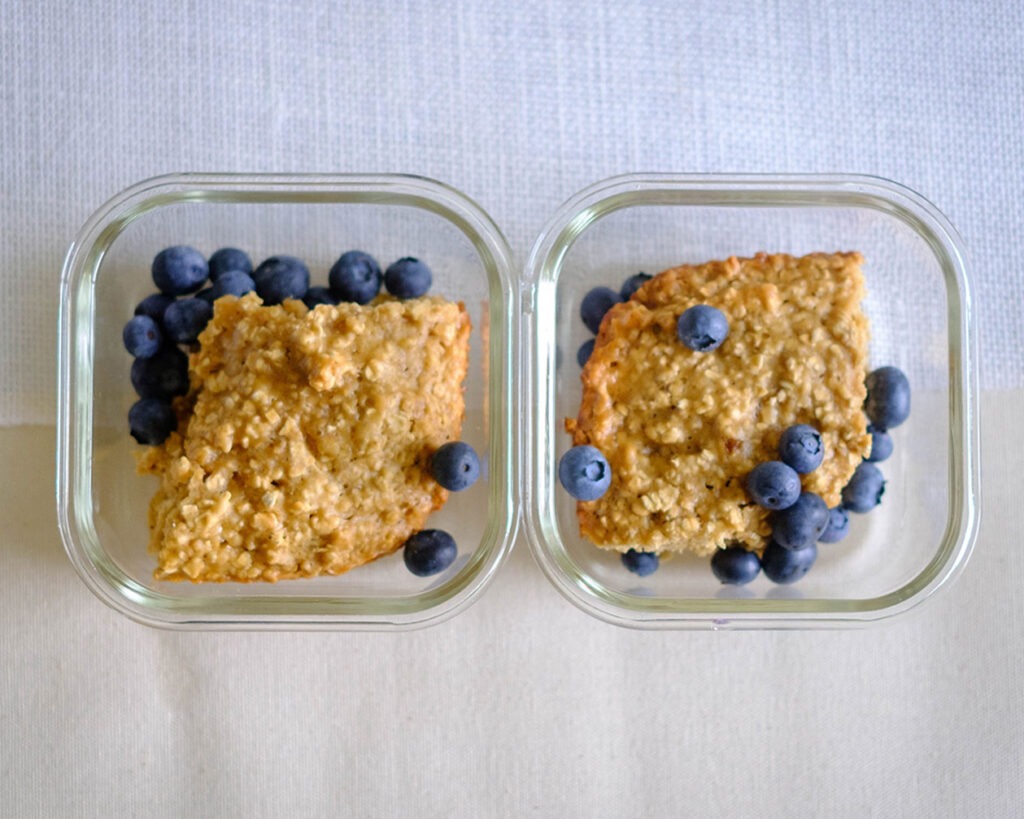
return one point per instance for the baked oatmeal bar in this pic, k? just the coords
(682, 429)
(303, 447)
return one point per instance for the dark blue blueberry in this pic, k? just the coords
(142, 337)
(151, 420)
(356, 277)
(154, 306)
(865, 489)
(186, 318)
(229, 260)
(735, 566)
(595, 304)
(408, 278)
(178, 270)
(702, 328)
(773, 485)
(888, 401)
(584, 473)
(881, 445)
(429, 552)
(640, 563)
(802, 523)
(455, 466)
(281, 277)
(162, 376)
(787, 565)
(801, 447)
(583, 353)
(233, 283)
(206, 294)
(838, 526)
(316, 296)
(632, 284)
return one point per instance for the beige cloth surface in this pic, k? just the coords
(520, 706)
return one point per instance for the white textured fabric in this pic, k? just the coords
(517, 104)
(521, 706)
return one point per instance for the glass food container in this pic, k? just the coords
(919, 305)
(102, 502)
(524, 381)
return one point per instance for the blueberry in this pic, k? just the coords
(408, 278)
(881, 445)
(595, 304)
(180, 269)
(640, 563)
(229, 260)
(151, 420)
(800, 524)
(281, 277)
(838, 526)
(186, 318)
(162, 376)
(583, 353)
(233, 283)
(773, 485)
(154, 306)
(142, 337)
(584, 472)
(316, 296)
(801, 447)
(632, 284)
(735, 566)
(455, 466)
(429, 552)
(865, 489)
(787, 565)
(356, 277)
(702, 328)
(888, 401)
(206, 294)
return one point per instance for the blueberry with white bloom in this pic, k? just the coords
(154, 306)
(178, 270)
(702, 328)
(229, 260)
(595, 304)
(151, 420)
(585, 473)
(881, 445)
(785, 566)
(640, 563)
(735, 566)
(865, 489)
(838, 526)
(888, 401)
(455, 466)
(162, 376)
(632, 284)
(800, 524)
(583, 353)
(355, 277)
(801, 447)
(185, 319)
(233, 283)
(408, 278)
(773, 485)
(142, 337)
(429, 552)
(281, 277)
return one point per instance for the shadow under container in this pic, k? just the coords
(919, 306)
(102, 502)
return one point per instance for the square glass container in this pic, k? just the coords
(919, 306)
(102, 502)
